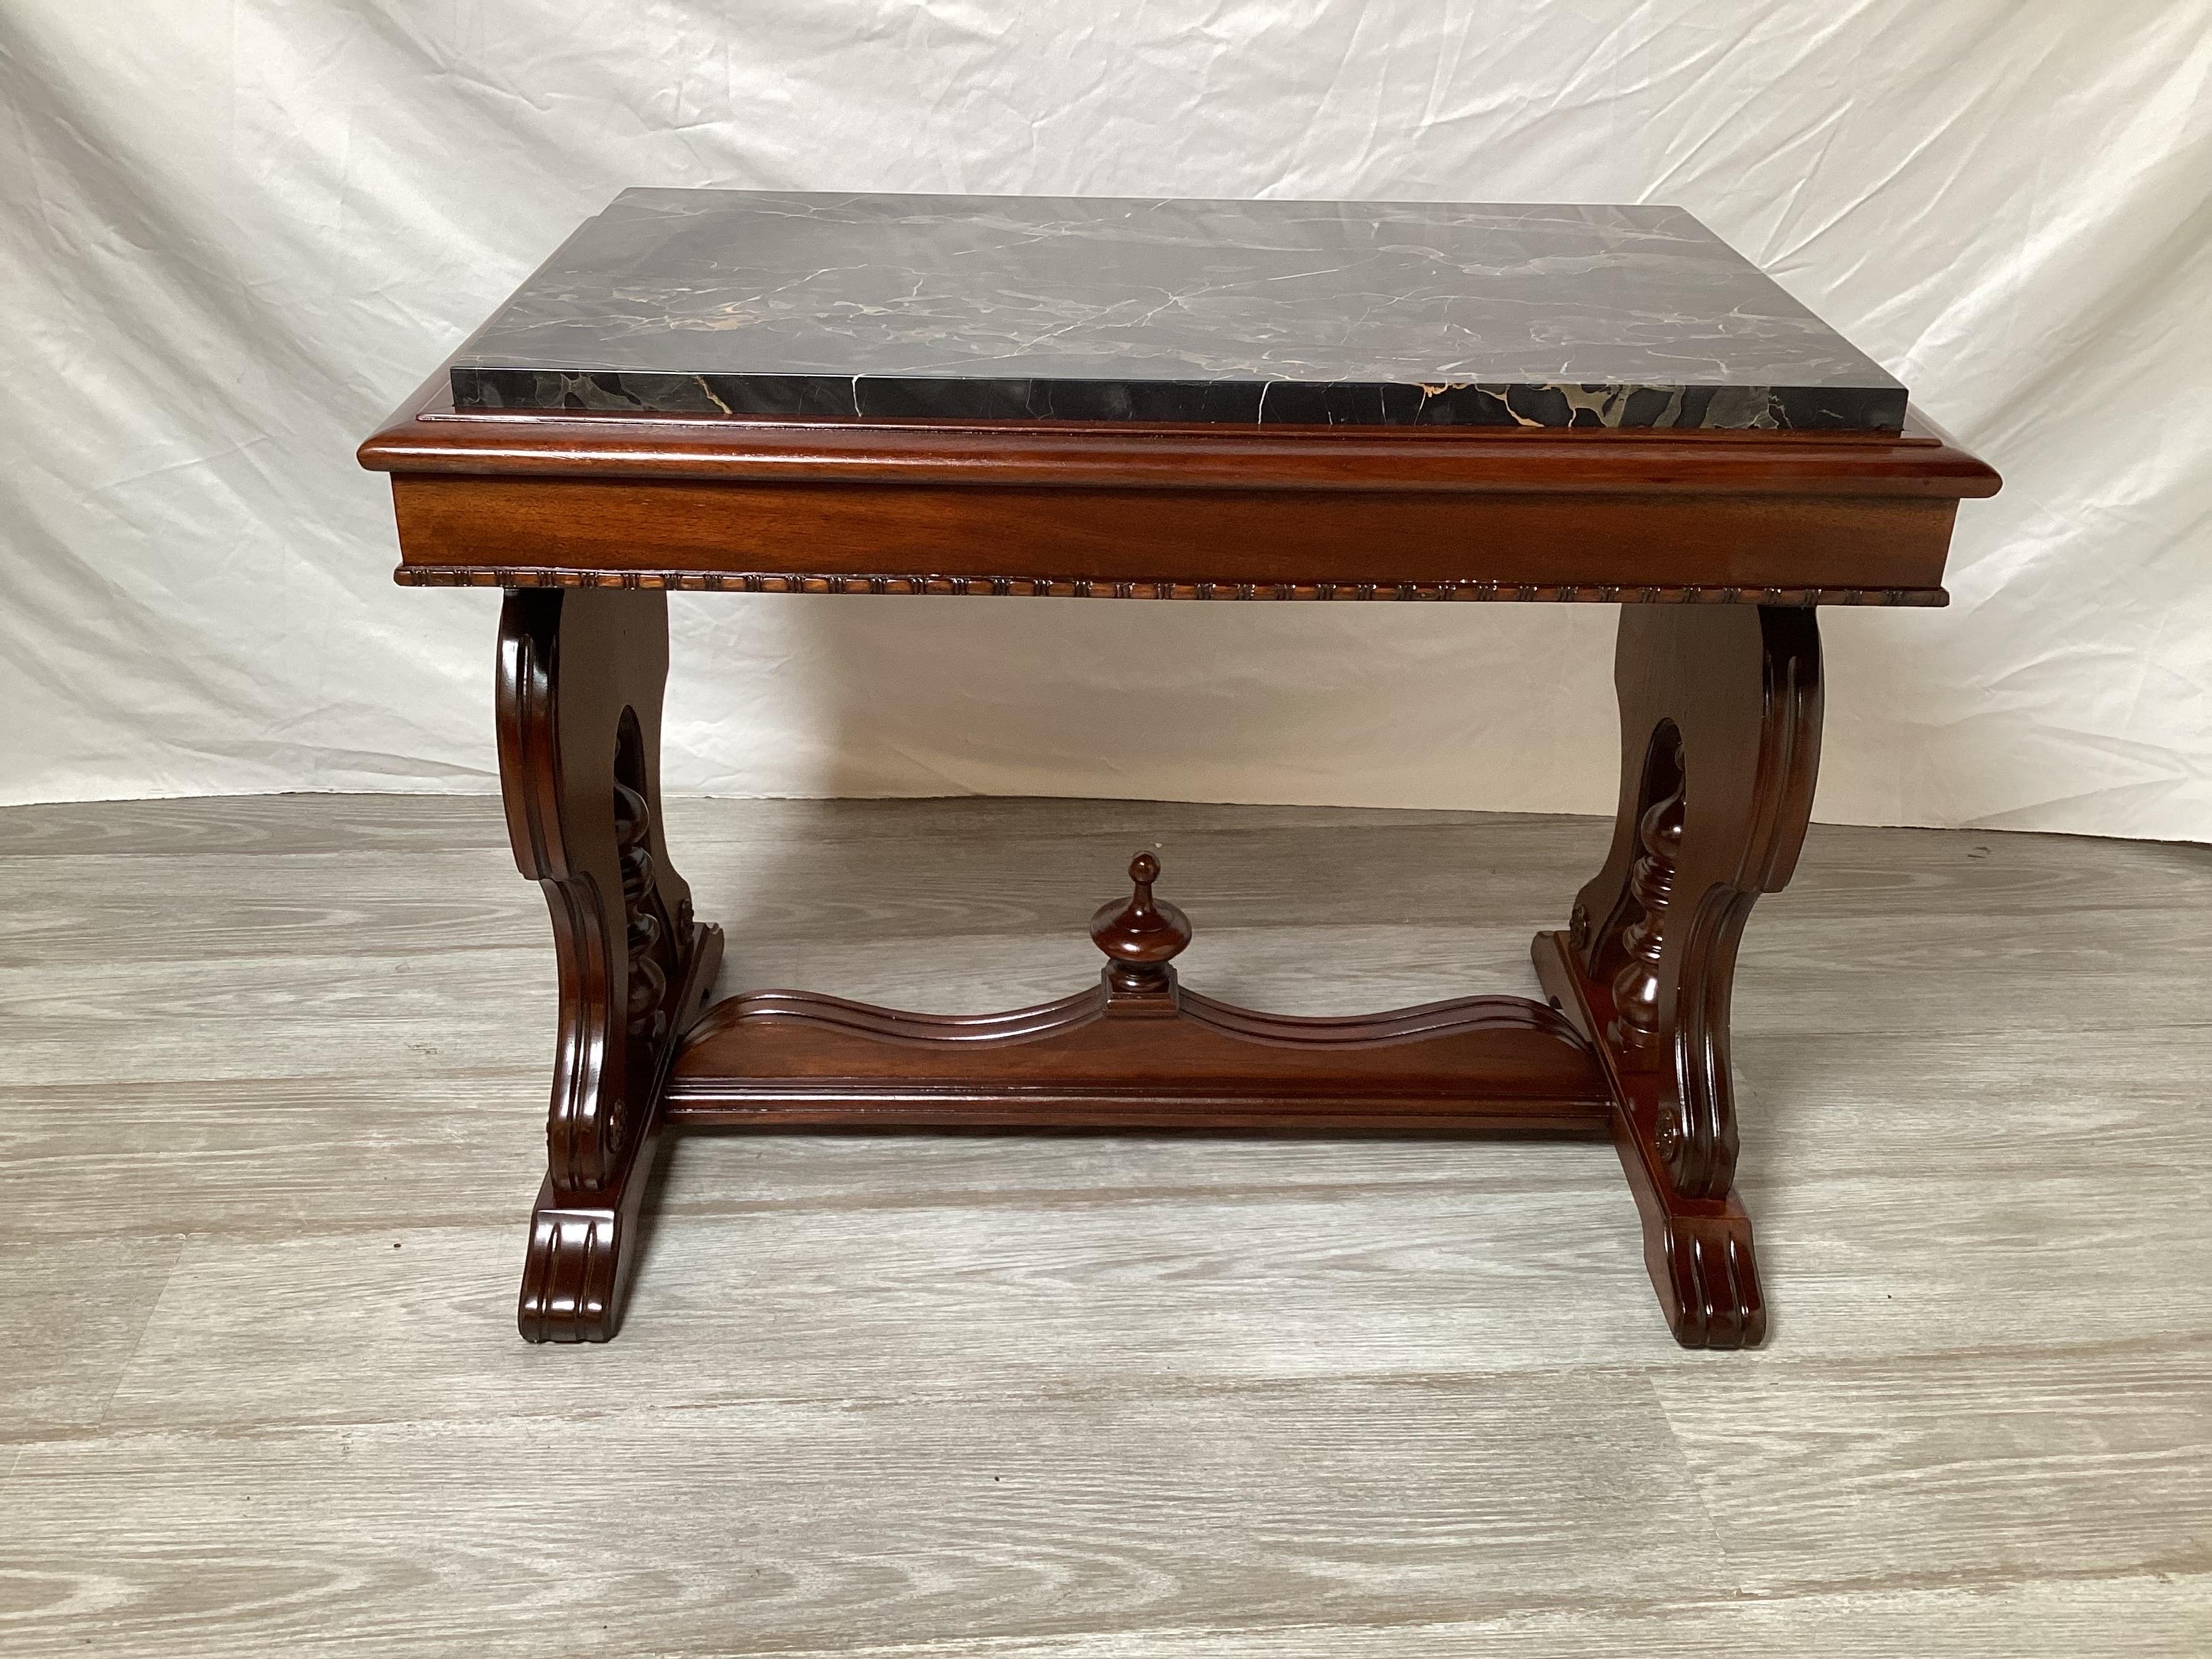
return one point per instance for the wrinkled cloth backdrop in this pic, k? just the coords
(236, 233)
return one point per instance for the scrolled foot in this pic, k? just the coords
(1698, 1250)
(583, 1246)
(574, 1276)
(1708, 1281)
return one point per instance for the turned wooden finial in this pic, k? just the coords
(1141, 937)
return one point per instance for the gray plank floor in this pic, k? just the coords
(273, 1072)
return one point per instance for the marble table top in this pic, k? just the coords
(1007, 308)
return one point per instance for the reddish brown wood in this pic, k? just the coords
(519, 500)
(1717, 544)
(1720, 716)
(1230, 541)
(1141, 939)
(579, 686)
(1137, 1051)
(790, 1059)
(582, 1252)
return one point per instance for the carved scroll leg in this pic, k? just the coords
(580, 675)
(1721, 730)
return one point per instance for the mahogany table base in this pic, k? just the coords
(1720, 718)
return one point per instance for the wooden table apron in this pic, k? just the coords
(1718, 547)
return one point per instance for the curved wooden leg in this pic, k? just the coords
(1720, 709)
(581, 676)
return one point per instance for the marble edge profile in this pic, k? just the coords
(1240, 403)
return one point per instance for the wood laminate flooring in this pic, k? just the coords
(274, 1077)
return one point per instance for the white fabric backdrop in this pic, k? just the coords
(234, 233)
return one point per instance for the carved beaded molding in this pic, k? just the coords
(719, 582)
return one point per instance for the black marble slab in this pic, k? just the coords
(1018, 307)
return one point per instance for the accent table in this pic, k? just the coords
(775, 393)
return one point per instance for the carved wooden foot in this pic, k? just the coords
(576, 1273)
(1721, 730)
(580, 674)
(1698, 1250)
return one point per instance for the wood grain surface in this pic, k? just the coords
(531, 499)
(273, 1068)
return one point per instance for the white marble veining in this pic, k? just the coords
(743, 301)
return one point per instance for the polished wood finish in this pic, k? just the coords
(580, 687)
(1719, 547)
(1138, 1051)
(1720, 716)
(1064, 509)
(1227, 544)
